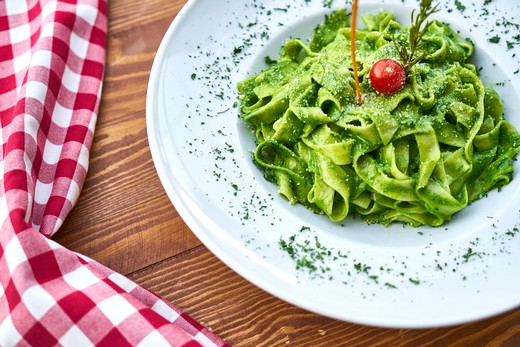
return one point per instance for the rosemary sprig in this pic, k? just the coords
(417, 30)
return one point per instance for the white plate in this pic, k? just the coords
(391, 277)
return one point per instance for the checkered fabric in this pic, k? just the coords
(52, 56)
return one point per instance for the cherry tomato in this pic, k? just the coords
(387, 76)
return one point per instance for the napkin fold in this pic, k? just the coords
(52, 60)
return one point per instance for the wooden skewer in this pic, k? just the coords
(353, 20)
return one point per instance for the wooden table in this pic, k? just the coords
(125, 221)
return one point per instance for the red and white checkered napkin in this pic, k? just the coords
(52, 56)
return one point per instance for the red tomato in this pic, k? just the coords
(387, 76)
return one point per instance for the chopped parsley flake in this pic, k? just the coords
(414, 281)
(470, 253)
(460, 6)
(494, 39)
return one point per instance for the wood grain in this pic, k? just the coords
(244, 315)
(125, 221)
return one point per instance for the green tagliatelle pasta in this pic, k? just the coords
(417, 156)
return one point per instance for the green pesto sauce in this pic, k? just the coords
(417, 156)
